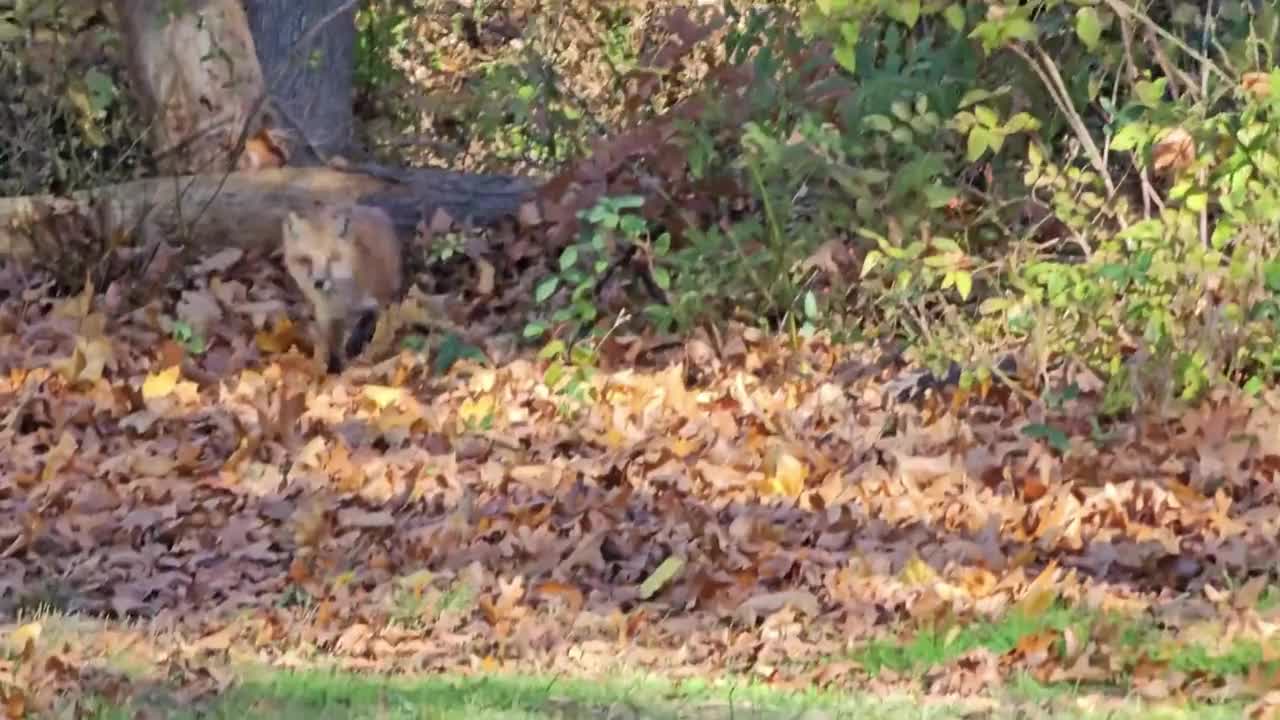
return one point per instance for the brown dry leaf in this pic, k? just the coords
(365, 519)
(485, 277)
(770, 603)
(58, 457)
(571, 595)
(1174, 152)
(1257, 84)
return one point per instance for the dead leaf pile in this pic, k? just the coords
(766, 519)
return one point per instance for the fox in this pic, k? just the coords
(346, 260)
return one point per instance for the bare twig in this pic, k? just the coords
(1203, 175)
(1127, 12)
(1179, 81)
(1052, 81)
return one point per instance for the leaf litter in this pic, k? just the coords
(766, 521)
(745, 504)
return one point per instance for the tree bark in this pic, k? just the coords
(244, 209)
(195, 73)
(307, 54)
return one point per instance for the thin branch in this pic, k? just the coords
(1180, 81)
(1203, 177)
(1058, 90)
(1125, 11)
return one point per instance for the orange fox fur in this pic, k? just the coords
(346, 261)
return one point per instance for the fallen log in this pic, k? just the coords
(244, 209)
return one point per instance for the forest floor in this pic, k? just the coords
(181, 500)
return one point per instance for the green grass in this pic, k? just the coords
(320, 695)
(931, 648)
(1134, 636)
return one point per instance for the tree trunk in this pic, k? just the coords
(195, 73)
(307, 54)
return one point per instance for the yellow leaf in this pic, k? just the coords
(1040, 593)
(788, 477)
(475, 410)
(917, 572)
(22, 635)
(382, 396)
(681, 447)
(614, 438)
(278, 339)
(97, 353)
(158, 385)
(78, 306)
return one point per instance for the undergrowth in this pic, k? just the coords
(1088, 185)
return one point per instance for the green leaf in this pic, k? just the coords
(1150, 93)
(986, 116)
(551, 349)
(964, 283)
(1054, 436)
(661, 576)
(568, 257)
(632, 225)
(534, 330)
(844, 54)
(555, 371)
(872, 259)
(937, 196)
(624, 202)
(879, 123)
(1254, 386)
(1020, 29)
(1129, 136)
(954, 15)
(662, 278)
(101, 90)
(9, 32)
(979, 141)
(990, 306)
(452, 350)
(810, 305)
(906, 12)
(1021, 121)
(546, 289)
(1088, 27)
(976, 95)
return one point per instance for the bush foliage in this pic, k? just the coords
(1090, 184)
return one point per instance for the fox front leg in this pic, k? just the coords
(363, 327)
(328, 341)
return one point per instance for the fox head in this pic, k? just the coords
(318, 252)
